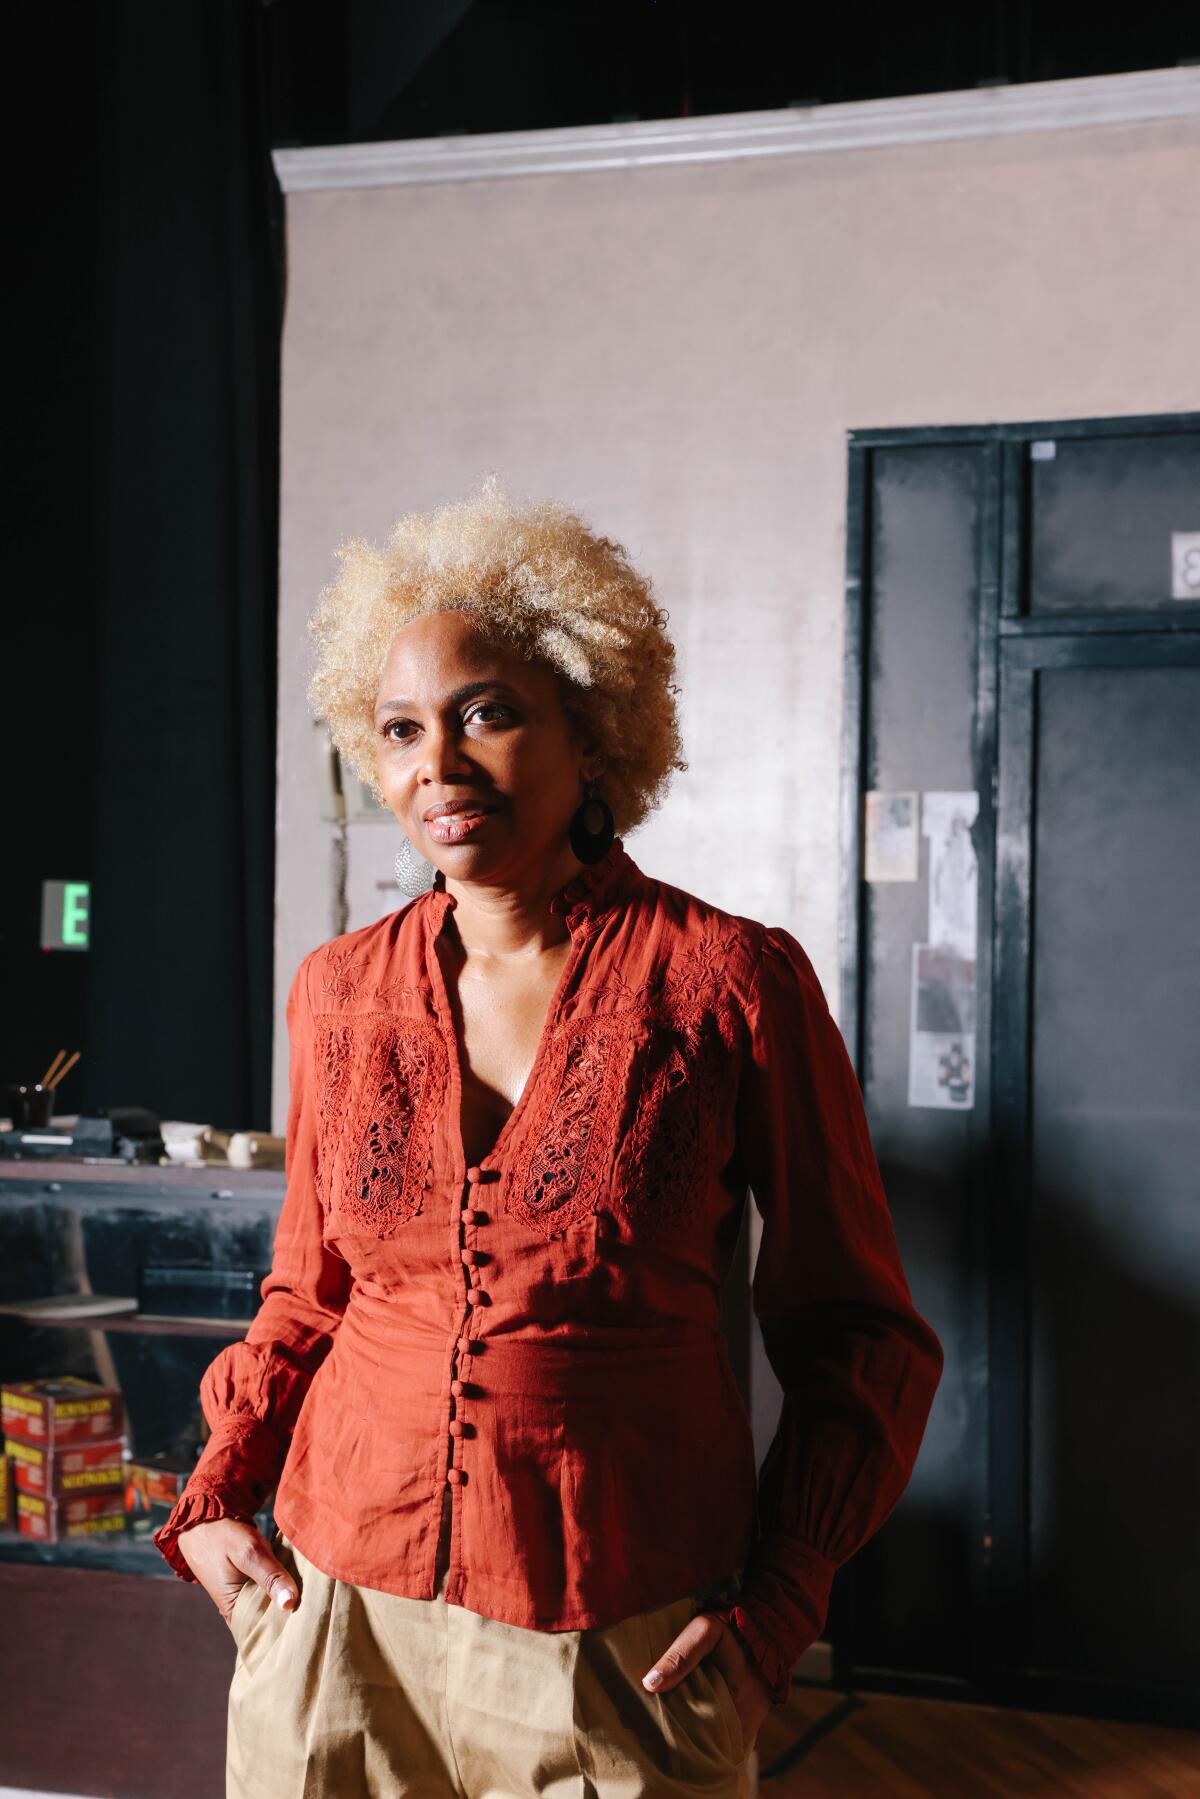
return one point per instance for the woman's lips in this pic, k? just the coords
(454, 827)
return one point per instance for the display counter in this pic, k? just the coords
(99, 1629)
(189, 1246)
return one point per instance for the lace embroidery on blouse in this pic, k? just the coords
(668, 1142)
(335, 1041)
(393, 1088)
(558, 1171)
(342, 980)
(340, 977)
(664, 1163)
(686, 988)
(572, 1144)
(398, 1082)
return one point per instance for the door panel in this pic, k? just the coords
(927, 528)
(1103, 513)
(1114, 1493)
(1011, 632)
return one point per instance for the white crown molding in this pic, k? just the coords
(852, 125)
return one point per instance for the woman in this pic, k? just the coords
(520, 1543)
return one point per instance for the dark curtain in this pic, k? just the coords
(184, 658)
(50, 444)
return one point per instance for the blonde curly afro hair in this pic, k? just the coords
(537, 579)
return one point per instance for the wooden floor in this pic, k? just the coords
(829, 1745)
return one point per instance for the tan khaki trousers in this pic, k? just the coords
(358, 1692)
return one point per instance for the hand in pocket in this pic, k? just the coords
(225, 1553)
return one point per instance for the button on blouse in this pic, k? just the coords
(541, 1331)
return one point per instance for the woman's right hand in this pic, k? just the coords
(224, 1553)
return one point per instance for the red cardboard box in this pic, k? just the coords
(51, 1519)
(8, 1513)
(59, 1411)
(88, 1468)
(154, 1480)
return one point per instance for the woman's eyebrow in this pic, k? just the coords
(468, 691)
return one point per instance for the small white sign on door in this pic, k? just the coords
(1185, 565)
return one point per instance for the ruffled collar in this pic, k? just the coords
(595, 890)
(598, 886)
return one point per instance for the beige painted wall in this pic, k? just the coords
(678, 352)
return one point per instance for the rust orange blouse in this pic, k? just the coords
(542, 1331)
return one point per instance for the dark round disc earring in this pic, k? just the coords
(592, 827)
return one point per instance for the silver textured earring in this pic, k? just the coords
(414, 875)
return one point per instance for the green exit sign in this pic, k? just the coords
(65, 910)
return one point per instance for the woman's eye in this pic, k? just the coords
(402, 730)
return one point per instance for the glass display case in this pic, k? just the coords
(182, 1252)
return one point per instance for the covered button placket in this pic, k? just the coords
(578, 902)
(473, 1217)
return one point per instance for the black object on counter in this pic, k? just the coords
(181, 1290)
(33, 1142)
(114, 1133)
(129, 1133)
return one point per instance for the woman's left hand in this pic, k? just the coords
(700, 1637)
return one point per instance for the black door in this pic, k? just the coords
(1022, 636)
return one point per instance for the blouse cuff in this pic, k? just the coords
(195, 1507)
(781, 1608)
(238, 1469)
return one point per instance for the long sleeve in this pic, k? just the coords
(857, 1363)
(251, 1393)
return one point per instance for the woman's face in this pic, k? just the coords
(476, 736)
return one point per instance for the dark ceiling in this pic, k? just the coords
(355, 70)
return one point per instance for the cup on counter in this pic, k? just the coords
(29, 1104)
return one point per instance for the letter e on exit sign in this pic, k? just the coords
(65, 910)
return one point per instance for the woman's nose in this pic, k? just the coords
(441, 754)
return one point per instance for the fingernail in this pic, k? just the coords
(282, 1597)
(653, 1679)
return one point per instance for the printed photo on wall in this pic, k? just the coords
(946, 819)
(891, 846)
(941, 1040)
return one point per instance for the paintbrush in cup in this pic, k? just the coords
(65, 1070)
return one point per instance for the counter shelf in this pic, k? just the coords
(68, 1227)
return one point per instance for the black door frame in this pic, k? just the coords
(1013, 646)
